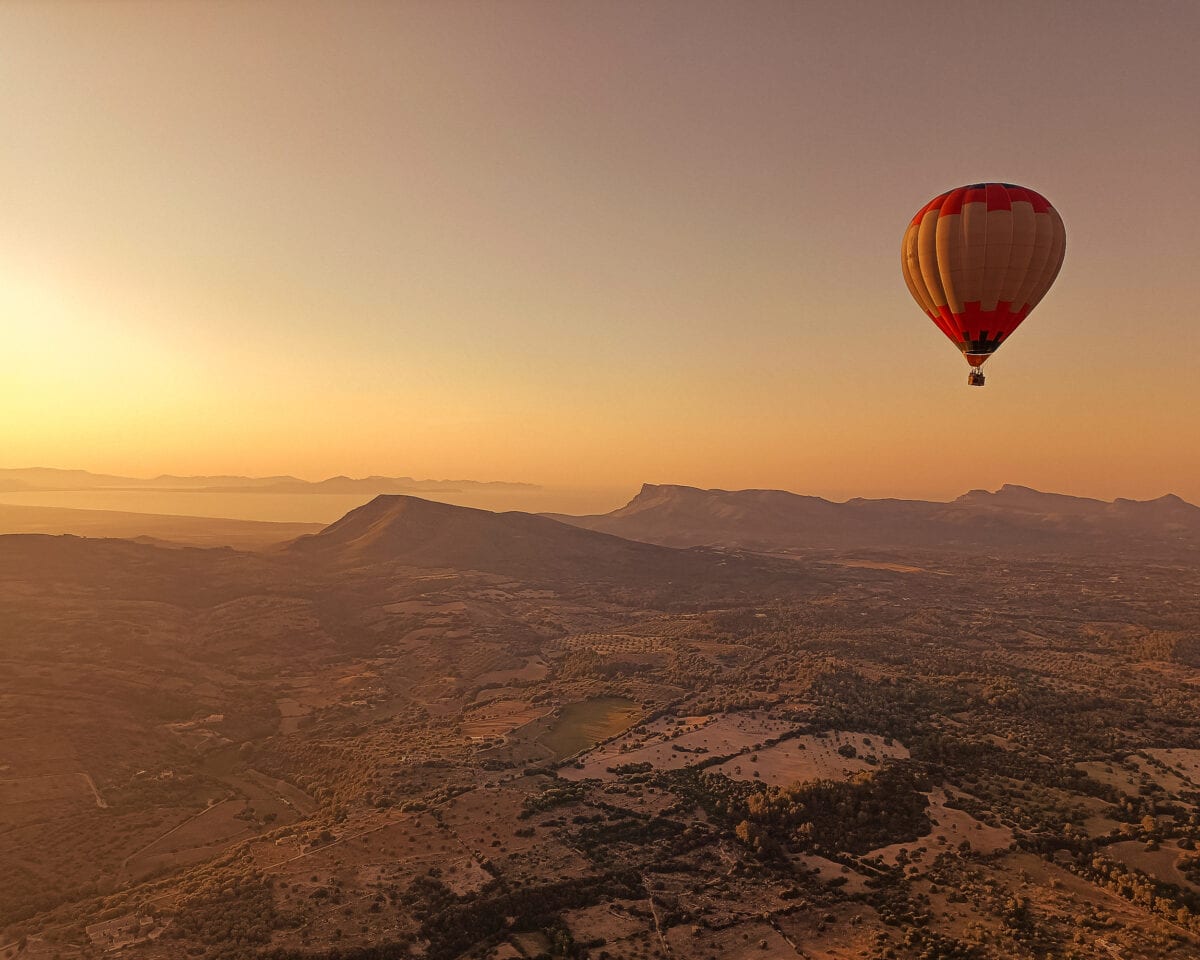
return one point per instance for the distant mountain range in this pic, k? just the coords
(40, 479)
(398, 527)
(671, 532)
(1012, 519)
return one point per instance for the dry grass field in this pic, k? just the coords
(578, 726)
(879, 565)
(496, 718)
(951, 828)
(670, 743)
(1182, 762)
(1162, 863)
(811, 757)
(36, 791)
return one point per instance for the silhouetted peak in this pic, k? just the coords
(1019, 490)
(1014, 496)
(1169, 505)
(398, 508)
(659, 492)
(427, 533)
(656, 490)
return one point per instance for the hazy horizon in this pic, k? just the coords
(322, 507)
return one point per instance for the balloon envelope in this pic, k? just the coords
(978, 259)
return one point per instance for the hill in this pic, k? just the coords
(1012, 519)
(410, 531)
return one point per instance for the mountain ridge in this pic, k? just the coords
(1012, 518)
(53, 479)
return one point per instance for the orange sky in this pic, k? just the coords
(590, 243)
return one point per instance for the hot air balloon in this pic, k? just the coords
(978, 259)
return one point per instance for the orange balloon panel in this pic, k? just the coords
(979, 258)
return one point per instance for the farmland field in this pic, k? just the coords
(580, 725)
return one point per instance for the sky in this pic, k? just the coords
(590, 243)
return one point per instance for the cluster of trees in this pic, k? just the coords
(740, 622)
(584, 663)
(481, 917)
(898, 708)
(626, 838)
(1176, 646)
(1167, 900)
(426, 896)
(559, 794)
(968, 757)
(230, 916)
(871, 810)
(690, 671)
(1190, 868)
(929, 945)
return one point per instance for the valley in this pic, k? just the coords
(434, 731)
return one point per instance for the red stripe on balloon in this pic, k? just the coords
(1040, 203)
(954, 202)
(935, 202)
(997, 197)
